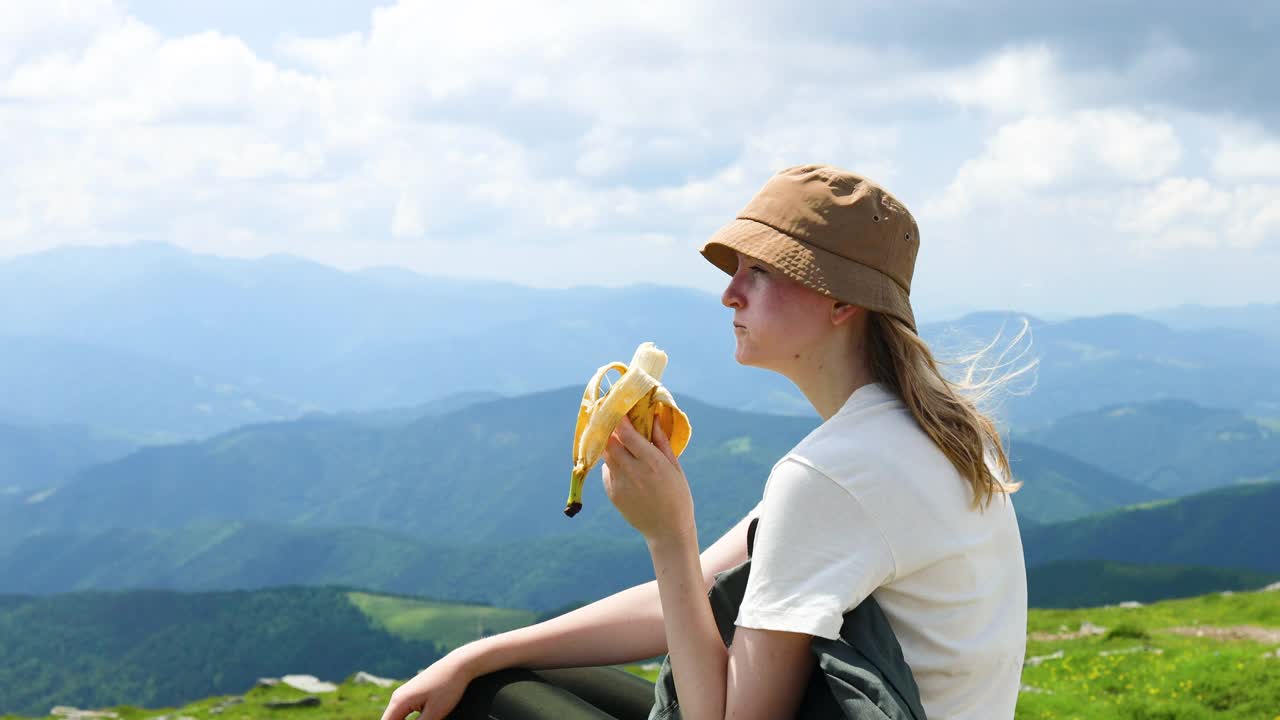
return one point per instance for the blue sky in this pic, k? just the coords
(1061, 158)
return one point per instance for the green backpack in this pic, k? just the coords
(860, 675)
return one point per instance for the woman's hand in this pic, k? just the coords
(645, 482)
(434, 692)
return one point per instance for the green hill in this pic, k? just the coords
(552, 572)
(1208, 656)
(541, 574)
(415, 507)
(448, 625)
(1082, 583)
(492, 471)
(36, 457)
(154, 648)
(1059, 487)
(1232, 527)
(1172, 446)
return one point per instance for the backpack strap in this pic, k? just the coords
(751, 536)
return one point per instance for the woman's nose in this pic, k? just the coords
(731, 297)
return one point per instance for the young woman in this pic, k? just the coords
(902, 493)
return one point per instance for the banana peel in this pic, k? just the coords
(638, 395)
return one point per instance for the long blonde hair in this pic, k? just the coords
(953, 412)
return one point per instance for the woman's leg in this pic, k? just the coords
(613, 690)
(595, 693)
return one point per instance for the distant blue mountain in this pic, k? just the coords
(132, 338)
(488, 471)
(1231, 527)
(126, 394)
(1171, 446)
(33, 458)
(314, 338)
(1260, 318)
(1089, 363)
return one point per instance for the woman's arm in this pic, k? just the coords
(764, 672)
(624, 627)
(762, 675)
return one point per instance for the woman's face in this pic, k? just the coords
(778, 323)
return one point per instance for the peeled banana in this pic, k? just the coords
(640, 396)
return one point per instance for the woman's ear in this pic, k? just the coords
(842, 312)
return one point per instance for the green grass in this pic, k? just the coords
(1136, 670)
(349, 701)
(1168, 676)
(1140, 670)
(1245, 608)
(448, 624)
(648, 671)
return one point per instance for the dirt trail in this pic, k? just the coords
(1255, 633)
(1086, 629)
(1233, 632)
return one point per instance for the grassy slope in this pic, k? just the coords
(1088, 583)
(447, 624)
(1230, 526)
(1146, 672)
(158, 647)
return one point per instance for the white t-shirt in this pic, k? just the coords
(866, 505)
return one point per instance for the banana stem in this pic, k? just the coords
(576, 480)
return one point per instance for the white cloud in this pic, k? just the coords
(407, 222)
(604, 151)
(1247, 154)
(1044, 152)
(437, 136)
(1177, 200)
(1191, 212)
(327, 55)
(1256, 217)
(1014, 82)
(36, 26)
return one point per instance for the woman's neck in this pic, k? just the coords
(831, 375)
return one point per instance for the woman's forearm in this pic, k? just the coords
(699, 660)
(624, 627)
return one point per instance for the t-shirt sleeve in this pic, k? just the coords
(817, 554)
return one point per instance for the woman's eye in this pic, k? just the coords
(758, 269)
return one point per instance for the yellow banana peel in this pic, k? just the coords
(639, 395)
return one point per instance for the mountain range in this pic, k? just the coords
(1230, 529)
(179, 421)
(159, 344)
(152, 648)
(478, 469)
(461, 500)
(1171, 446)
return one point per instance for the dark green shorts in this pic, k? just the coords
(602, 693)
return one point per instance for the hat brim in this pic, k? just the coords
(822, 270)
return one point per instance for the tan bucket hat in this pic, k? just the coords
(836, 232)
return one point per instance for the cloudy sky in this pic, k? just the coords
(1070, 158)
